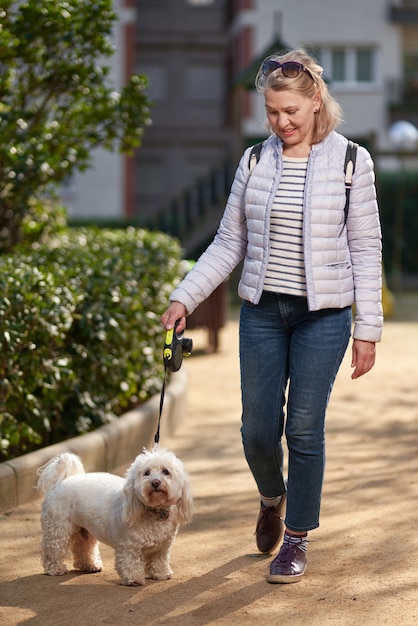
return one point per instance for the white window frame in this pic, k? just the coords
(350, 81)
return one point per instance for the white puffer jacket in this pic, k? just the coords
(342, 264)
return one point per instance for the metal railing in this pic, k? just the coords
(194, 216)
(403, 98)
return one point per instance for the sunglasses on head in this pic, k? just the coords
(290, 69)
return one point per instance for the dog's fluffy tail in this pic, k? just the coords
(58, 469)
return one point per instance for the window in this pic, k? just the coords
(157, 80)
(201, 3)
(338, 66)
(347, 66)
(205, 83)
(364, 66)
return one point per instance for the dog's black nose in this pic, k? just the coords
(155, 484)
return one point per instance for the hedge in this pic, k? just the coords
(80, 332)
(399, 192)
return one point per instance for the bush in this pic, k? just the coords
(399, 192)
(36, 311)
(79, 324)
(44, 219)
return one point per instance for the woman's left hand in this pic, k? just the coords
(175, 312)
(363, 358)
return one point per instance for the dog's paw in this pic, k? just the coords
(89, 566)
(159, 574)
(88, 569)
(133, 583)
(56, 570)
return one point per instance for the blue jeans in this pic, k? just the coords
(283, 345)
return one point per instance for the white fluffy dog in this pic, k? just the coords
(138, 516)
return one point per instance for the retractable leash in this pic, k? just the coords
(176, 346)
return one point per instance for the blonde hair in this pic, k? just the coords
(329, 115)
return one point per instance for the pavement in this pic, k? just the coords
(362, 561)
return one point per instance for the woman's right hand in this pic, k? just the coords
(176, 311)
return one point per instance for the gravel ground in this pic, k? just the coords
(362, 561)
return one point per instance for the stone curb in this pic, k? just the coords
(103, 450)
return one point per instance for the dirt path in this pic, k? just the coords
(363, 566)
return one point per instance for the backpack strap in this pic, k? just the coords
(255, 155)
(349, 167)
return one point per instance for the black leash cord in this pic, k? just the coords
(157, 434)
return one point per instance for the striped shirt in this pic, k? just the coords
(286, 270)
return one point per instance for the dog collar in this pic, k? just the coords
(160, 513)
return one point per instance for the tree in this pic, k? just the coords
(56, 100)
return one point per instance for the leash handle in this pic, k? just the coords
(176, 346)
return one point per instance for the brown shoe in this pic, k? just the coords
(270, 526)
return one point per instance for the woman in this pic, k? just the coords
(304, 267)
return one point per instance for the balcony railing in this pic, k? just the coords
(403, 96)
(406, 14)
(193, 218)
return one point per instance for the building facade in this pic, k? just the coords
(194, 52)
(106, 190)
(360, 46)
(182, 46)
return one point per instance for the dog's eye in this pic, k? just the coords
(147, 473)
(166, 472)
